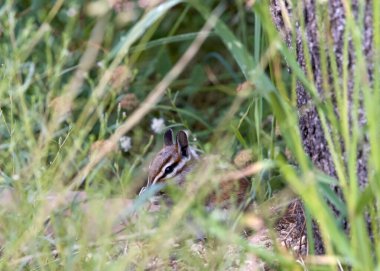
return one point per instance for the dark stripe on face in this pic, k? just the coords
(174, 164)
(172, 167)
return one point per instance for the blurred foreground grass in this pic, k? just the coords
(74, 79)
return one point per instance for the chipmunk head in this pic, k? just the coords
(174, 160)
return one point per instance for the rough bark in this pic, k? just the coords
(309, 122)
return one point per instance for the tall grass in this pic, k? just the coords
(75, 79)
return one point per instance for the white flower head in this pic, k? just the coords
(71, 12)
(16, 177)
(157, 125)
(100, 64)
(125, 143)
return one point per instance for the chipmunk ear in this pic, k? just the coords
(183, 143)
(168, 137)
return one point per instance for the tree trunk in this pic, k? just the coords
(313, 138)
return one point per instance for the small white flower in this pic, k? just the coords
(71, 12)
(125, 143)
(16, 177)
(157, 125)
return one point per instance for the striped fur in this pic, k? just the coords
(172, 154)
(182, 158)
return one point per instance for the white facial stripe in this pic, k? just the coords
(177, 168)
(157, 177)
(162, 172)
(193, 153)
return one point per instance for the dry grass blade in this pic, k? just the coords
(242, 173)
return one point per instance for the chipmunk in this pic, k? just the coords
(177, 159)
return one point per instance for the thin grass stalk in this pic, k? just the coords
(359, 233)
(258, 101)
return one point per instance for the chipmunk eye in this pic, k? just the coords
(169, 169)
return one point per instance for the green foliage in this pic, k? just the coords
(72, 74)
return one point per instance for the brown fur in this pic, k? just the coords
(163, 156)
(229, 192)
